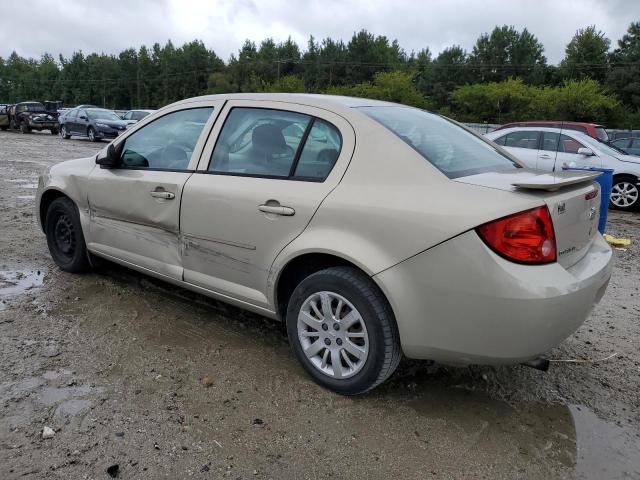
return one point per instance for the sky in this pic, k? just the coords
(33, 27)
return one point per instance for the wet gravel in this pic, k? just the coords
(140, 379)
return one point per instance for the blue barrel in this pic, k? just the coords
(606, 183)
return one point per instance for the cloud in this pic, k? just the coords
(33, 27)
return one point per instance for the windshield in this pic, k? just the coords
(32, 107)
(102, 115)
(447, 146)
(602, 134)
(138, 115)
(603, 147)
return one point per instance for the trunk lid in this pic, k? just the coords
(572, 197)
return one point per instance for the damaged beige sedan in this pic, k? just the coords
(373, 229)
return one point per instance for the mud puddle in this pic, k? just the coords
(17, 282)
(570, 437)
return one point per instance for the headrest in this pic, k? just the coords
(268, 139)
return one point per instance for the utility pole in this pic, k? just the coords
(138, 82)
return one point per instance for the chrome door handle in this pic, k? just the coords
(277, 210)
(545, 156)
(163, 194)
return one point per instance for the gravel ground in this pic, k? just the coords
(160, 382)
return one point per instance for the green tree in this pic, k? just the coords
(505, 53)
(390, 86)
(624, 76)
(586, 55)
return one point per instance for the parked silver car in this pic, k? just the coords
(371, 228)
(552, 148)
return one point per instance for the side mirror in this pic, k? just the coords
(109, 158)
(587, 152)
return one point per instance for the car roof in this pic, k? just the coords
(543, 122)
(140, 110)
(564, 131)
(312, 99)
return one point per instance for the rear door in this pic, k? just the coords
(263, 174)
(135, 209)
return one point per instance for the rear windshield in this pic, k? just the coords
(447, 146)
(601, 134)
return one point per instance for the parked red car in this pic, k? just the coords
(592, 129)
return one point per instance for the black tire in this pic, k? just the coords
(629, 201)
(54, 131)
(4, 128)
(65, 238)
(63, 132)
(384, 340)
(24, 127)
(91, 133)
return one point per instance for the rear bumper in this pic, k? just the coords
(460, 303)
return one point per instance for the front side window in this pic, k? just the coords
(166, 143)
(569, 145)
(452, 149)
(127, 116)
(259, 142)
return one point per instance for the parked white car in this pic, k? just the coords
(552, 148)
(371, 228)
(132, 117)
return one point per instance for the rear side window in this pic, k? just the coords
(166, 143)
(524, 139)
(450, 148)
(275, 144)
(320, 151)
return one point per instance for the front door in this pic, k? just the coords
(135, 209)
(559, 150)
(262, 177)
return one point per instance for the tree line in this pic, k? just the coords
(504, 77)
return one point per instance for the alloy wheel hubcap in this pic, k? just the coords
(64, 238)
(333, 335)
(624, 194)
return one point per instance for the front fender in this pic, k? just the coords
(68, 178)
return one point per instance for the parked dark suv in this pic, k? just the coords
(28, 116)
(4, 116)
(95, 123)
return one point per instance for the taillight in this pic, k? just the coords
(525, 237)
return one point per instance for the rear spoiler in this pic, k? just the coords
(557, 180)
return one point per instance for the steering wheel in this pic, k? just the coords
(176, 155)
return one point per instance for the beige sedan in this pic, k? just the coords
(373, 229)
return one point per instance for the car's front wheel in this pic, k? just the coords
(64, 236)
(91, 133)
(342, 330)
(64, 133)
(625, 193)
(24, 127)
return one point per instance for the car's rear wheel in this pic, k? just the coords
(91, 133)
(342, 330)
(64, 236)
(63, 132)
(54, 131)
(625, 193)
